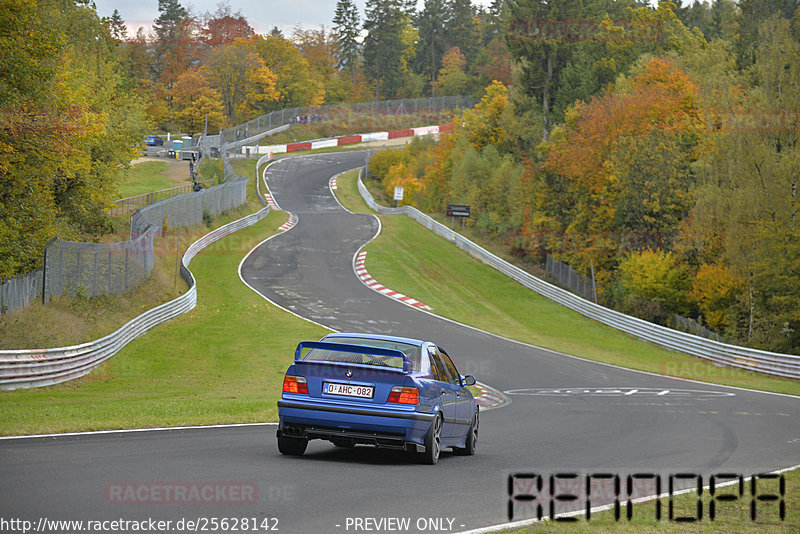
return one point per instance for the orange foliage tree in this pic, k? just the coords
(600, 164)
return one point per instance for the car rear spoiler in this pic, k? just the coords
(357, 349)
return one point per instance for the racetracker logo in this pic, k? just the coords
(544, 31)
(181, 493)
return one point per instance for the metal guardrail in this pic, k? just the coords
(772, 363)
(261, 161)
(43, 367)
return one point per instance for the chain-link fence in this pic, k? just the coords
(305, 115)
(189, 209)
(125, 206)
(569, 278)
(693, 327)
(90, 269)
(19, 291)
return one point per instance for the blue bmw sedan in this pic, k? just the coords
(386, 391)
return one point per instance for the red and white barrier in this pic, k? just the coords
(352, 139)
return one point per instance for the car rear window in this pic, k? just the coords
(411, 351)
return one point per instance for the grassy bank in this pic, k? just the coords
(414, 261)
(71, 320)
(144, 177)
(220, 363)
(223, 362)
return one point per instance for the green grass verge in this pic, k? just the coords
(729, 516)
(414, 261)
(223, 362)
(144, 177)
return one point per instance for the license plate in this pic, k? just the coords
(348, 390)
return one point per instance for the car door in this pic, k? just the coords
(448, 392)
(464, 405)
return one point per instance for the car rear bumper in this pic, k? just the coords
(384, 428)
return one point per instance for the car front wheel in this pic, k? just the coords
(471, 443)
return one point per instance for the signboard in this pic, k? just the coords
(456, 210)
(398, 193)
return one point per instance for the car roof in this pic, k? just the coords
(407, 340)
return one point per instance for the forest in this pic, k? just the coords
(656, 145)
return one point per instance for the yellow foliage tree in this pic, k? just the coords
(241, 77)
(295, 82)
(453, 78)
(194, 102)
(483, 125)
(655, 275)
(400, 175)
(716, 289)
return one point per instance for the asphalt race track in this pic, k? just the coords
(566, 415)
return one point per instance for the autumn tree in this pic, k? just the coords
(718, 292)
(64, 138)
(224, 27)
(494, 62)
(173, 31)
(625, 159)
(452, 78)
(485, 124)
(240, 76)
(749, 188)
(195, 104)
(412, 84)
(654, 285)
(319, 49)
(295, 83)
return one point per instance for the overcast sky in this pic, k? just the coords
(261, 14)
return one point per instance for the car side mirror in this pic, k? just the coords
(468, 380)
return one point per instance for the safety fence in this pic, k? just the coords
(19, 291)
(92, 269)
(190, 209)
(125, 206)
(303, 115)
(785, 365)
(569, 278)
(43, 367)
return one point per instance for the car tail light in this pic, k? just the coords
(403, 395)
(295, 384)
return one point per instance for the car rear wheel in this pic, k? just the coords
(292, 446)
(471, 443)
(433, 442)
